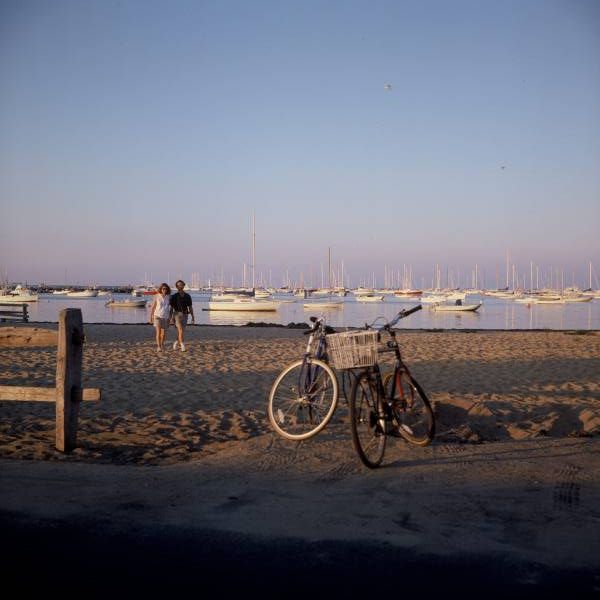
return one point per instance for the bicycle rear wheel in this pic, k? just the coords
(303, 399)
(412, 411)
(368, 436)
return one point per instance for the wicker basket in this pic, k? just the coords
(352, 349)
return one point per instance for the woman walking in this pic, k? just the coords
(160, 314)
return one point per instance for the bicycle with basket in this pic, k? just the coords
(304, 396)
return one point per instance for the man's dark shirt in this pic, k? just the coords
(181, 303)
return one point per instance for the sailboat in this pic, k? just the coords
(244, 302)
(325, 303)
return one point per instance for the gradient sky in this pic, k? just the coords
(137, 137)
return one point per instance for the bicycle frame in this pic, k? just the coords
(399, 366)
(308, 375)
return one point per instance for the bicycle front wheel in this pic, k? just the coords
(366, 422)
(303, 399)
(412, 412)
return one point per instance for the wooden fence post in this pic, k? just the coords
(69, 360)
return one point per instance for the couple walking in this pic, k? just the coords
(167, 308)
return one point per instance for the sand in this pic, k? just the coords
(181, 441)
(179, 407)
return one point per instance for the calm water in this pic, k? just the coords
(494, 314)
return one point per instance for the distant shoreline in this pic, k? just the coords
(299, 326)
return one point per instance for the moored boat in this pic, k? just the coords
(18, 295)
(456, 307)
(369, 298)
(126, 303)
(89, 293)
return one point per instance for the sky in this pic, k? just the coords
(138, 137)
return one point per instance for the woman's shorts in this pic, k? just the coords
(162, 323)
(180, 319)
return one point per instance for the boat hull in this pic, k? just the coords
(456, 307)
(127, 303)
(84, 294)
(18, 298)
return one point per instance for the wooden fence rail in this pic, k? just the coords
(17, 312)
(67, 393)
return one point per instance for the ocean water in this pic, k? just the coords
(495, 313)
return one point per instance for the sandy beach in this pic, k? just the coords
(180, 445)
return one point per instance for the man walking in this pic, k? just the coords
(181, 307)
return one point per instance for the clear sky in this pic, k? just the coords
(137, 137)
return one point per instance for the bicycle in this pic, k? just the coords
(304, 396)
(394, 404)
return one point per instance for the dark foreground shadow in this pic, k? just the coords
(88, 559)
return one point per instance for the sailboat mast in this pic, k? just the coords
(329, 269)
(253, 251)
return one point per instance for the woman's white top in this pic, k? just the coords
(161, 310)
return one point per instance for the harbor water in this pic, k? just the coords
(495, 313)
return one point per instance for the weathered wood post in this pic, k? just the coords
(69, 360)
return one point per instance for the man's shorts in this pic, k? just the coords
(162, 323)
(180, 319)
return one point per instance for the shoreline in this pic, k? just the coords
(302, 325)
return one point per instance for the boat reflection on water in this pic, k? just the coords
(217, 317)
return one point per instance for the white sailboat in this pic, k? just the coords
(327, 303)
(246, 302)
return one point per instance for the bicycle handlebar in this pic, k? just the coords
(401, 315)
(410, 311)
(317, 323)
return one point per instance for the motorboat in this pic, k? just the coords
(144, 290)
(19, 295)
(62, 292)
